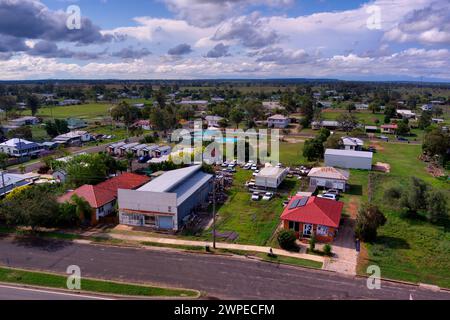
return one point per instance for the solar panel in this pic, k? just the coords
(303, 201)
(294, 204)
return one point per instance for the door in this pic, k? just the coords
(307, 230)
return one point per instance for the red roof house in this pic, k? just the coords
(102, 197)
(308, 215)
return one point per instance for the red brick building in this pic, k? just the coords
(311, 215)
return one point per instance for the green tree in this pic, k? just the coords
(7, 103)
(313, 149)
(237, 115)
(437, 209)
(27, 208)
(414, 197)
(347, 121)
(436, 143)
(369, 219)
(82, 208)
(86, 169)
(424, 120)
(23, 132)
(126, 113)
(3, 160)
(333, 142)
(57, 127)
(403, 128)
(33, 103)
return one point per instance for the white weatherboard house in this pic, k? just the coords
(278, 121)
(213, 121)
(20, 148)
(271, 177)
(329, 177)
(348, 159)
(350, 143)
(166, 201)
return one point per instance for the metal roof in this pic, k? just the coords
(349, 153)
(169, 180)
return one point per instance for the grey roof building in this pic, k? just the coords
(164, 202)
(348, 159)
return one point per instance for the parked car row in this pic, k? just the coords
(256, 196)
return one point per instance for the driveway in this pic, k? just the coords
(345, 256)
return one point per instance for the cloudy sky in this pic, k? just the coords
(188, 39)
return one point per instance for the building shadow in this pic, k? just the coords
(48, 245)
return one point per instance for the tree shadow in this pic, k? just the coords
(49, 245)
(392, 242)
(355, 189)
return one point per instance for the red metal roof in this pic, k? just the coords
(389, 126)
(316, 211)
(106, 192)
(127, 180)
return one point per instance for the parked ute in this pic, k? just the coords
(268, 196)
(247, 166)
(333, 191)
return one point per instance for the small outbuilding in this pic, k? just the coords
(348, 159)
(271, 177)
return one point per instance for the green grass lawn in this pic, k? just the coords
(412, 250)
(365, 117)
(84, 111)
(48, 280)
(291, 154)
(254, 221)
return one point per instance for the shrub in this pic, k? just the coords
(312, 243)
(393, 193)
(327, 250)
(369, 219)
(286, 239)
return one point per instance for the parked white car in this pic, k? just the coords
(255, 173)
(254, 167)
(247, 166)
(268, 196)
(256, 196)
(329, 196)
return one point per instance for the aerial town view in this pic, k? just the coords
(197, 151)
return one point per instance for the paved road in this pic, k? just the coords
(8, 292)
(216, 276)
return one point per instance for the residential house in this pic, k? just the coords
(329, 178)
(69, 102)
(74, 123)
(149, 150)
(389, 128)
(143, 124)
(308, 216)
(278, 121)
(331, 125)
(165, 202)
(348, 159)
(271, 177)
(10, 181)
(162, 151)
(73, 138)
(60, 175)
(138, 150)
(371, 129)
(114, 149)
(362, 106)
(124, 149)
(20, 148)
(406, 114)
(213, 121)
(437, 120)
(351, 143)
(325, 104)
(24, 121)
(103, 196)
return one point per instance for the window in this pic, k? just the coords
(307, 230)
(322, 230)
(294, 226)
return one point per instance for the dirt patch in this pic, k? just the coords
(293, 140)
(363, 259)
(352, 208)
(377, 145)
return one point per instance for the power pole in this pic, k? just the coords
(214, 211)
(3, 182)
